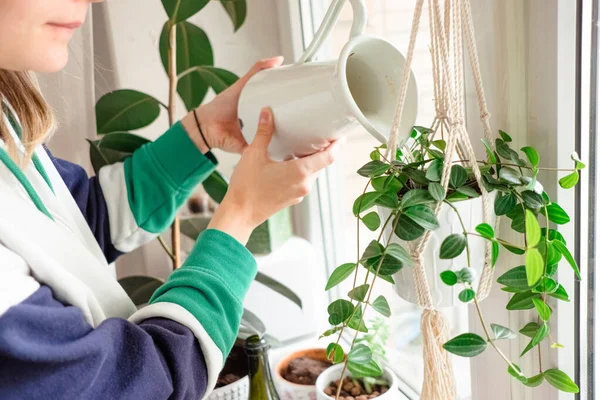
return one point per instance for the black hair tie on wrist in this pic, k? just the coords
(200, 129)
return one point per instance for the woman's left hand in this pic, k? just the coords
(219, 118)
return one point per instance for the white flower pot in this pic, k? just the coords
(334, 373)
(443, 295)
(236, 391)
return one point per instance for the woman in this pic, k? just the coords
(67, 329)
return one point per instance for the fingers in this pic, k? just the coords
(259, 66)
(266, 127)
(316, 162)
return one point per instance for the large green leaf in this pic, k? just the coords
(458, 176)
(532, 155)
(534, 265)
(416, 196)
(562, 249)
(407, 229)
(557, 215)
(560, 380)
(569, 181)
(423, 215)
(515, 278)
(365, 201)
(530, 329)
(217, 78)
(237, 10)
(278, 287)
(360, 354)
(504, 203)
(216, 186)
(122, 141)
(542, 308)
(533, 232)
(339, 311)
(372, 221)
(399, 253)
(180, 10)
(522, 301)
(140, 288)
(453, 246)
(103, 156)
(466, 345)
(125, 110)
(560, 294)
(340, 274)
(193, 50)
(373, 168)
(537, 338)
(370, 369)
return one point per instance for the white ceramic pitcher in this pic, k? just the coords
(316, 102)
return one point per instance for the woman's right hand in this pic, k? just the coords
(260, 187)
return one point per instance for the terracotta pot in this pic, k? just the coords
(293, 391)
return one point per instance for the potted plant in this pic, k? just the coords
(296, 374)
(408, 188)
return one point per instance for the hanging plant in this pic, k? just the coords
(409, 191)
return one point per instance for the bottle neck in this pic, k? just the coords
(262, 386)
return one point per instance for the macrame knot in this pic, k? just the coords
(457, 122)
(485, 116)
(442, 115)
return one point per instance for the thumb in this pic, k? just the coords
(266, 127)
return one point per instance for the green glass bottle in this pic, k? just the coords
(262, 386)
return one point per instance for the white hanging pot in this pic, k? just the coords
(317, 102)
(471, 212)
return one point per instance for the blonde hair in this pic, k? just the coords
(21, 91)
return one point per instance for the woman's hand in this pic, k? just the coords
(260, 187)
(219, 118)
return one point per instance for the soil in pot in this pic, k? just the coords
(304, 370)
(236, 367)
(356, 389)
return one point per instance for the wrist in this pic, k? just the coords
(197, 128)
(233, 219)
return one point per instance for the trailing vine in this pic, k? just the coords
(409, 189)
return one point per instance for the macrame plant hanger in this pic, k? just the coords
(447, 36)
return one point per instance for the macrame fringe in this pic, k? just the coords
(439, 381)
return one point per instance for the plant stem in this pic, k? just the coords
(497, 240)
(366, 302)
(358, 235)
(166, 248)
(172, 55)
(465, 233)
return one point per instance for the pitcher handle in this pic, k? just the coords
(359, 24)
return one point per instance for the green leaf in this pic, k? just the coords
(547, 285)
(490, 152)
(569, 181)
(562, 249)
(237, 10)
(510, 175)
(386, 184)
(193, 50)
(557, 215)
(373, 168)
(560, 380)
(495, 252)
(372, 221)
(453, 246)
(518, 223)
(466, 295)
(340, 274)
(532, 229)
(434, 172)
(557, 346)
(122, 141)
(534, 265)
(512, 249)
(416, 197)
(458, 176)
(505, 136)
(374, 155)
(399, 253)
(440, 144)
(435, 154)
(370, 369)
(537, 338)
(522, 301)
(436, 191)
(504, 203)
(532, 155)
(534, 381)
(532, 200)
(530, 329)
(279, 287)
(216, 186)
(466, 345)
(407, 229)
(359, 293)
(542, 308)
(364, 202)
(340, 309)
(465, 275)
(218, 79)
(356, 321)
(422, 215)
(125, 110)
(578, 164)
(468, 191)
(360, 354)
(335, 353)
(381, 306)
(389, 266)
(504, 150)
(374, 249)
(485, 230)
(515, 371)
(416, 175)
(561, 294)
(456, 196)
(515, 278)
(180, 10)
(502, 332)
(388, 200)
(330, 332)
(449, 278)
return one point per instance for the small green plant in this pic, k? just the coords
(409, 187)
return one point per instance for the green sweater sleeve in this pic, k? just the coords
(211, 285)
(161, 176)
